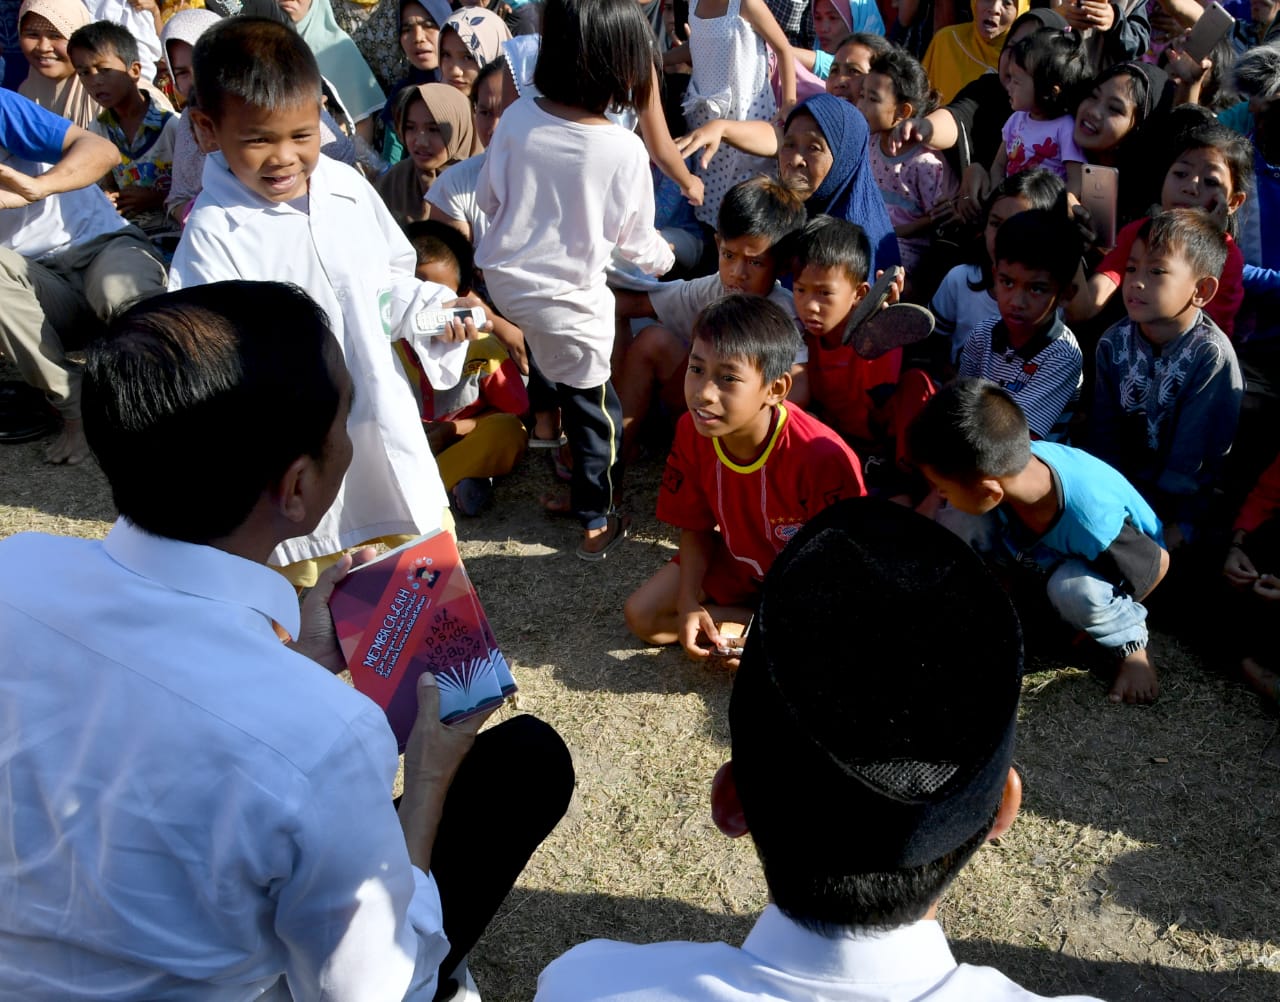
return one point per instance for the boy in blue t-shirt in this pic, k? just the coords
(1055, 510)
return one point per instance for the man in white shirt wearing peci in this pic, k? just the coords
(865, 782)
(193, 808)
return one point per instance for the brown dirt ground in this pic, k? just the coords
(1144, 865)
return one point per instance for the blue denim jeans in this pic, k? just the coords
(1081, 597)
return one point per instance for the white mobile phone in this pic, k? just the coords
(429, 323)
(1099, 189)
(1214, 25)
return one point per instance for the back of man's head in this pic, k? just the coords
(196, 402)
(872, 719)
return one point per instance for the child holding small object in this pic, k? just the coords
(274, 207)
(747, 470)
(1057, 512)
(1169, 388)
(1045, 69)
(474, 427)
(105, 56)
(564, 188)
(1252, 567)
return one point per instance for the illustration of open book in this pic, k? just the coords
(414, 610)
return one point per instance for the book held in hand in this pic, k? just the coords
(414, 610)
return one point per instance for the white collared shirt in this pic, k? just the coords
(784, 962)
(346, 251)
(191, 810)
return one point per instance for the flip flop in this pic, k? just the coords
(619, 526)
(894, 326)
(548, 443)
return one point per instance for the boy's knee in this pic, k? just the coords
(1077, 596)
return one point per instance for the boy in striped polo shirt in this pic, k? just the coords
(1029, 351)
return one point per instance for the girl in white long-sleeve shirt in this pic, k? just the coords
(563, 187)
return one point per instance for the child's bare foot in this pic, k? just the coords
(1135, 680)
(70, 447)
(1264, 681)
(546, 432)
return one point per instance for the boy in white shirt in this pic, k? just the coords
(274, 208)
(865, 792)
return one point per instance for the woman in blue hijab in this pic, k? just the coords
(823, 157)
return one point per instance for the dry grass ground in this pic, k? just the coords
(1144, 865)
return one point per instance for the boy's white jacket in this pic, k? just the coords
(347, 252)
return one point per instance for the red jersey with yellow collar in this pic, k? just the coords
(758, 506)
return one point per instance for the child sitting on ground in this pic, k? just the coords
(1029, 350)
(862, 399)
(105, 56)
(474, 428)
(1168, 389)
(1050, 509)
(755, 218)
(745, 473)
(275, 208)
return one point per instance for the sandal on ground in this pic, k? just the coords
(617, 529)
(548, 443)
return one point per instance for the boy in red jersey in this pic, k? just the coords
(746, 471)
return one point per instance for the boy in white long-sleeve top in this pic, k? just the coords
(274, 208)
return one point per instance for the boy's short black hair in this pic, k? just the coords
(491, 68)
(596, 54)
(1189, 234)
(753, 328)
(970, 430)
(436, 241)
(103, 37)
(827, 242)
(867, 791)
(760, 207)
(1042, 239)
(197, 401)
(261, 62)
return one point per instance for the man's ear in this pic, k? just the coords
(293, 492)
(726, 808)
(1205, 290)
(1010, 801)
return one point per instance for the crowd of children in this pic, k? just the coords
(1083, 206)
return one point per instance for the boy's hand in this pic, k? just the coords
(1267, 586)
(707, 137)
(694, 623)
(465, 330)
(974, 186)
(1239, 569)
(137, 199)
(316, 637)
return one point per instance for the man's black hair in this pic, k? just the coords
(262, 62)
(753, 328)
(436, 241)
(102, 37)
(970, 430)
(1041, 239)
(760, 207)
(196, 402)
(595, 54)
(827, 242)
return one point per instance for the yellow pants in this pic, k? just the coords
(304, 573)
(492, 449)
